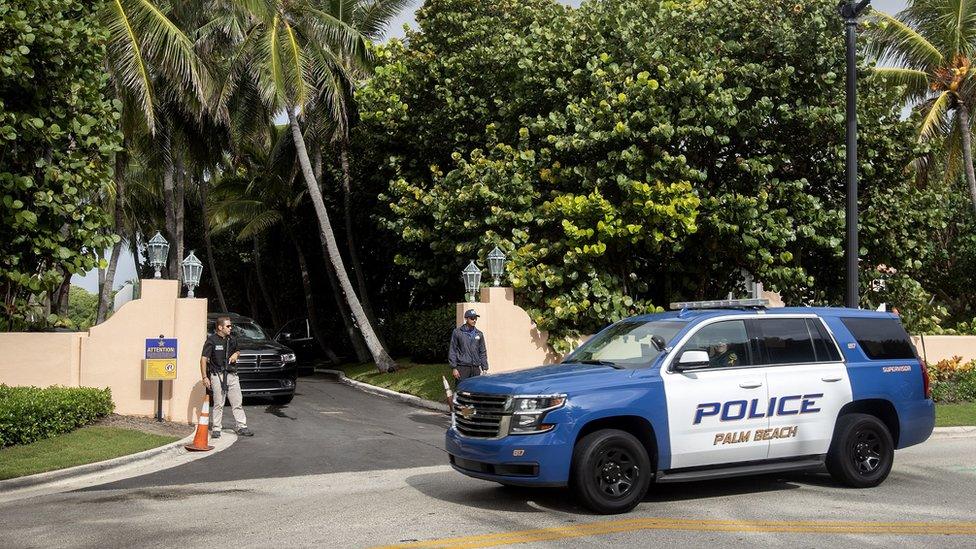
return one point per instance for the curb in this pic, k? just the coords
(401, 397)
(89, 468)
(955, 432)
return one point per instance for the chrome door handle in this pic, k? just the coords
(830, 379)
(750, 385)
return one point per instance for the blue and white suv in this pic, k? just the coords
(716, 389)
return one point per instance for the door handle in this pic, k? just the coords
(830, 379)
(750, 384)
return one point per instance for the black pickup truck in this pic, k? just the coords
(266, 367)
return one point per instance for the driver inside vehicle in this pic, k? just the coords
(720, 355)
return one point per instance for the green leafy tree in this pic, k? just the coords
(82, 308)
(58, 132)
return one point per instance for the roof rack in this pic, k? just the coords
(721, 304)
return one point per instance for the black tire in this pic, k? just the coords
(611, 471)
(862, 451)
(283, 399)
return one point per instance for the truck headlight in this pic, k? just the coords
(529, 411)
(288, 357)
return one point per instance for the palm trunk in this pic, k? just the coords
(169, 204)
(967, 150)
(105, 290)
(180, 194)
(204, 189)
(310, 302)
(383, 361)
(350, 232)
(134, 248)
(268, 301)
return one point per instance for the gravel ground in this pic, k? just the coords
(146, 425)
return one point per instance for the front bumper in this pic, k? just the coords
(269, 383)
(525, 460)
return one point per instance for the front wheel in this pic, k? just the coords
(611, 471)
(862, 451)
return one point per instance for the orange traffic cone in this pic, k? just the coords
(201, 438)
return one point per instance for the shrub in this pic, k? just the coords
(424, 335)
(953, 380)
(29, 414)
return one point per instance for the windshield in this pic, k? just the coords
(627, 343)
(248, 330)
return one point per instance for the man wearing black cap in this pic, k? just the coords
(468, 356)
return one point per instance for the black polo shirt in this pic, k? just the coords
(218, 350)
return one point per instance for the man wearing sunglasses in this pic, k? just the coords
(218, 366)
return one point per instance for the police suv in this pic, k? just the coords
(712, 389)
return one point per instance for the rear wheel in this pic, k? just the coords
(611, 471)
(862, 451)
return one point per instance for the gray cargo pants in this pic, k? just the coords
(235, 397)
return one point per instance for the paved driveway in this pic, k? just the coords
(340, 468)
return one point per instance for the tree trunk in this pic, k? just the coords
(204, 189)
(251, 301)
(350, 232)
(967, 150)
(105, 290)
(169, 203)
(268, 301)
(134, 248)
(310, 302)
(383, 361)
(180, 206)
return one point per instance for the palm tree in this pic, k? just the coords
(143, 43)
(265, 196)
(292, 50)
(926, 50)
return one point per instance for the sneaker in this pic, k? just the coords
(215, 434)
(245, 432)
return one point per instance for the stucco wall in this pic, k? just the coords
(936, 348)
(110, 354)
(40, 359)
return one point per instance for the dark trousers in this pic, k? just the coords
(468, 371)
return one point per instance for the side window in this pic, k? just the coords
(881, 338)
(787, 341)
(296, 328)
(823, 345)
(727, 344)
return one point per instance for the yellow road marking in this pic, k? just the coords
(700, 525)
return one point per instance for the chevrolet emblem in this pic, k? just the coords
(467, 412)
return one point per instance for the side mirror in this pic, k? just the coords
(691, 360)
(658, 342)
(285, 336)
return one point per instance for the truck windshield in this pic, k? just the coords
(249, 330)
(627, 343)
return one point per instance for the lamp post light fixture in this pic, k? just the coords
(192, 269)
(472, 279)
(850, 10)
(496, 266)
(158, 250)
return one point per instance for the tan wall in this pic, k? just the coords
(40, 359)
(936, 348)
(111, 354)
(512, 339)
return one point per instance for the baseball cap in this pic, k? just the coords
(471, 313)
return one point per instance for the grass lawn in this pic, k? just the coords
(85, 445)
(952, 415)
(422, 380)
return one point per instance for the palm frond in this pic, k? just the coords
(936, 120)
(914, 82)
(126, 61)
(373, 16)
(894, 42)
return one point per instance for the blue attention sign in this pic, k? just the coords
(161, 347)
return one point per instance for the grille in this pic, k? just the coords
(257, 363)
(480, 415)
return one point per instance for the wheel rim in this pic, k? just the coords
(867, 451)
(616, 472)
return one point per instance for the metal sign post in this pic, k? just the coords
(159, 366)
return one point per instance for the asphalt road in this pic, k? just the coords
(340, 468)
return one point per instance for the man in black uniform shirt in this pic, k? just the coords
(467, 355)
(219, 363)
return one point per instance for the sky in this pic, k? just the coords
(127, 268)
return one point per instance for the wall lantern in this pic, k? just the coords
(192, 270)
(496, 266)
(158, 250)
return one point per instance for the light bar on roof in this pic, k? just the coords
(720, 304)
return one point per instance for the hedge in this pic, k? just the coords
(953, 380)
(29, 414)
(423, 335)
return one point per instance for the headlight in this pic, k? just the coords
(288, 357)
(529, 411)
